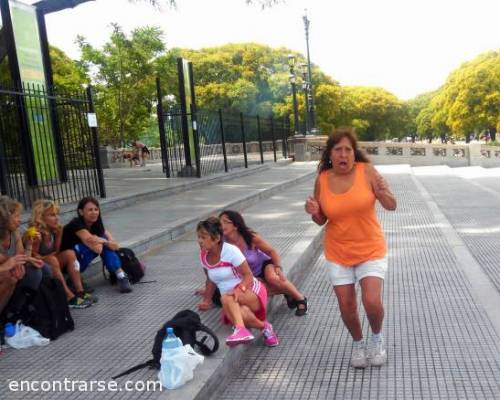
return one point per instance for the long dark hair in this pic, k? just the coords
(242, 228)
(325, 162)
(98, 225)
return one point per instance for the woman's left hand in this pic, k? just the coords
(380, 185)
(279, 272)
(37, 263)
(112, 245)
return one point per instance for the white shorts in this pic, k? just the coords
(341, 275)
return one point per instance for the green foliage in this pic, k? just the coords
(376, 113)
(67, 74)
(123, 73)
(249, 78)
(469, 101)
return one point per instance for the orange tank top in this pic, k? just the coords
(353, 234)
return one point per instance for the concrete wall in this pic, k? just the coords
(414, 154)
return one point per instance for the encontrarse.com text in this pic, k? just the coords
(68, 385)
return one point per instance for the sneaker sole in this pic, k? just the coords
(232, 343)
(79, 307)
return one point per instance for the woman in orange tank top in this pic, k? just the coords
(346, 189)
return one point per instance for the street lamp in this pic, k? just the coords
(293, 82)
(311, 110)
(307, 102)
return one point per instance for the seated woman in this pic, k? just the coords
(244, 298)
(27, 271)
(46, 247)
(12, 268)
(84, 238)
(263, 259)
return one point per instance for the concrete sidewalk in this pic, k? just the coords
(118, 332)
(441, 331)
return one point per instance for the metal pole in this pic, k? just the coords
(259, 135)
(244, 140)
(161, 128)
(223, 140)
(273, 139)
(95, 142)
(312, 110)
(307, 121)
(293, 82)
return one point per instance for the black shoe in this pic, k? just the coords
(291, 303)
(124, 285)
(299, 312)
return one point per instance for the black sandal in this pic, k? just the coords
(291, 303)
(299, 312)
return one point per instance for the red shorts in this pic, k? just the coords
(260, 290)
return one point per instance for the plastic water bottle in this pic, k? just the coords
(170, 374)
(170, 341)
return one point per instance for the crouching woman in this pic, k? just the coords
(243, 297)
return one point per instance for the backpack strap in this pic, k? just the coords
(205, 350)
(149, 363)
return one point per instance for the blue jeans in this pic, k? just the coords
(85, 256)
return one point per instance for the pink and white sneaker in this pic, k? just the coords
(270, 337)
(240, 335)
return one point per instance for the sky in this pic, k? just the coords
(407, 47)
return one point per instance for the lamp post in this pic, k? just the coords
(307, 102)
(293, 82)
(311, 110)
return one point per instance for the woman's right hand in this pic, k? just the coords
(312, 206)
(204, 305)
(13, 262)
(18, 272)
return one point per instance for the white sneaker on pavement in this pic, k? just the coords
(377, 353)
(358, 357)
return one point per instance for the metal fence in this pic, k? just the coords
(221, 141)
(47, 149)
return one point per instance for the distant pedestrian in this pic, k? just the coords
(243, 297)
(140, 153)
(345, 191)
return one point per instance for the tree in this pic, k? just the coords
(67, 74)
(469, 101)
(377, 113)
(249, 78)
(123, 73)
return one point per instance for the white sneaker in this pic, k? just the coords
(377, 353)
(358, 358)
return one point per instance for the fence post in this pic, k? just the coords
(259, 135)
(244, 140)
(223, 140)
(95, 145)
(282, 132)
(161, 128)
(273, 139)
(3, 168)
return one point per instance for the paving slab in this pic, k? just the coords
(441, 342)
(118, 332)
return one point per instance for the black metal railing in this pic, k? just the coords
(223, 141)
(47, 148)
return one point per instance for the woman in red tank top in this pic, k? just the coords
(346, 189)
